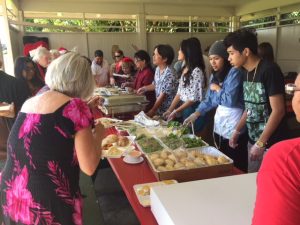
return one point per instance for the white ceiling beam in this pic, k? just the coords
(156, 8)
(260, 5)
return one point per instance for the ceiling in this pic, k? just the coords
(156, 7)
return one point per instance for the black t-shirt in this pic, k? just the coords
(11, 90)
(264, 81)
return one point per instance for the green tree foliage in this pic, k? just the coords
(290, 18)
(85, 25)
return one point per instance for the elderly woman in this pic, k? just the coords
(26, 73)
(42, 58)
(52, 139)
(165, 83)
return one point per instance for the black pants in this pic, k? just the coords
(239, 155)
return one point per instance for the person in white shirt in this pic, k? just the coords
(100, 69)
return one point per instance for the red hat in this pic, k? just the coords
(31, 46)
(127, 60)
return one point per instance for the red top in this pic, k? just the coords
(278, 186)
(145, 77)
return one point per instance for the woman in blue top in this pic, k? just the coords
(165, 83)
(226, 94)
(191, 85)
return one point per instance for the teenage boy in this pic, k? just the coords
(263, 89)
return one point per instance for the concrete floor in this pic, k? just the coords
(114, 206)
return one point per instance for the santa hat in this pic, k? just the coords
(31, 46)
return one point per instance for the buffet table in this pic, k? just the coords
(131, 174)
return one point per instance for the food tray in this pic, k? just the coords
(200, 171)
(149, 144)
(142, 191)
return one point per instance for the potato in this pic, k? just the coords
(199, 162)
(211, 160)
(190, 165)
(158, 162)
(183, 159)
(178, 166)
(154, 156)
(222, 160)
(162, 168)
(169, 167)
(169, 162)
(164, 155)
(180, 154)
(172, 157)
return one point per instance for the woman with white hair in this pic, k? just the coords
(53, 137)
(42, 58)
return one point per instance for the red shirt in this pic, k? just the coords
(143, 78)
(278, 186)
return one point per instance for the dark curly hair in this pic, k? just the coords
(241, 39)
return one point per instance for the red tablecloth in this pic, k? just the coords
(129, 175)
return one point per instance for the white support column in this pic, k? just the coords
(141, 29)
(234, 24)
(8, 59)
(277, 33)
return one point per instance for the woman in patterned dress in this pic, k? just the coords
(192, 83)
(165, 83)
(51, 140)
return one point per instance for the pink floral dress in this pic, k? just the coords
(40, 181)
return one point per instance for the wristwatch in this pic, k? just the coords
(260, 144)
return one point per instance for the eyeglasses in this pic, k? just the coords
(118, 56)
(291, 88)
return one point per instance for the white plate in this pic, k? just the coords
(108, 122)
(141, 159)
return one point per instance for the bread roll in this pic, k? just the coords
(110, 139)
(123, 141)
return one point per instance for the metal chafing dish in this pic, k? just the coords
(117, 101)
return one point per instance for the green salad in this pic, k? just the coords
(193, 142)
(178, 126)
(149, 145)
(172, 141)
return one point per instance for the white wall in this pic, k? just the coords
(87, 43)
(289, 48)
(104, 41)
(286, 43)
